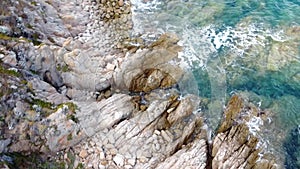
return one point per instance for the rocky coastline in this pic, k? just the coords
(77, 91)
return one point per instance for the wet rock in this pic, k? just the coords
(236, 144)
(231, 113)
(151, 79)
(148, 69)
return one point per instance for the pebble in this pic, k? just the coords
(128, 167)
(103, 162)
(101, 166)
(90, 150)
(110, 66)
(166, 136)
(113, 151)
(102, 156)
(121, 3)
(83, 154)
(109, 146)
(92, 143)
(111, 139)
(157, 132)
(109, 157)
(143, 159)
(119, 160)
(131, 161)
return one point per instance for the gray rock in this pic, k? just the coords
(45, 65)
(4, 144)
(95, 116)
(191, 156)
(45, 91)
(62, 132)
(156, 57)
(236, 146)
(103, 84)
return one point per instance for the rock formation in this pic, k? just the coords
(69, 91)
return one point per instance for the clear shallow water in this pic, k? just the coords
(249, 47)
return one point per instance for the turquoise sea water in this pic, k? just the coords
(250, 47)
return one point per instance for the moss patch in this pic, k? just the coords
(5, 37)
(42, 103)
(9, 72)
(71, 106)
(34, 160)
(63, 68)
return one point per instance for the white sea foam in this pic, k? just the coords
(254, 125)
(199, 43)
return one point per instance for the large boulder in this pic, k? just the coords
(236, 144)
(150, 68)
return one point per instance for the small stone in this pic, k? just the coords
(166, 136)
(65, 156)
(95, 164)
(157, 132)
(128, 167)
(103, 162)
(103, 84)
(102, 156)
(121, 3)
(90, 150)
(101, 166)
(157, 147)
(109, 157)
(170, 110)
(143, 159)
(119, 160)
(107, 93)
(113, 151)
(92, 143)
(110, 66)
(143, 107)
(109, 146)
(83, 154)
(131, 161)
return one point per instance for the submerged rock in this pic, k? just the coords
(291, 146)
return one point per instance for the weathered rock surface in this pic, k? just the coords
(60, 62)
(44, 91)
(150, 68)
(96, 116)
(190, 156)
(144, 138)
(236, 145)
